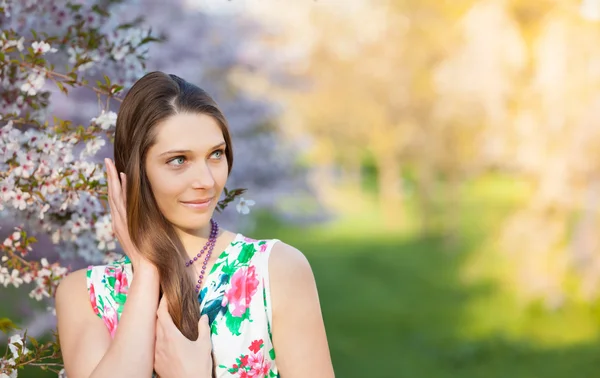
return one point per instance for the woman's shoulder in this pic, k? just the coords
(71, 283)
(71, 293)
(281, 254)
(288, 260)
(291, 278)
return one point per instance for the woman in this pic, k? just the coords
(258, 300)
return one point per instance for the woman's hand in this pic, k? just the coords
(117, 196)
(175, 356)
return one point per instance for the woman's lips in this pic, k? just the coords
(197, 204)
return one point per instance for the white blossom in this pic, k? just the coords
(20, 199)
(35, 81)
(39, 293)
(104, 234)
(42, 47)
(13, 278)
(243, 206)
(92, 147)
(15, 343)
(106, 120)
(120, 52)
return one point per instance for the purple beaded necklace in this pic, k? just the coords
(210, 245)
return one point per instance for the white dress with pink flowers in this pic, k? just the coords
(236, 299)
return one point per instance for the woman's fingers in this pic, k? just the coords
(163, 305)
(115, 186)
(164, 318)
(109, 181)
(203, 330)
(123, 188)
(115, 190)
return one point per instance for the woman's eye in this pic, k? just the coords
(179, 160)
(218, 154)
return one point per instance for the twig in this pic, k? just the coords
(67, 78)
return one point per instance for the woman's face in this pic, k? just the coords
(187, 169)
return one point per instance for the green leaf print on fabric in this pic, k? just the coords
(246, 253)
(217, 264)
(234, 323)
(229, 269)
(100, 303)
(111, 281)
(121, 298)
(214, 328)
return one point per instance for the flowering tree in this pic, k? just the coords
(50, 182)
(46, 185)
(231, 58)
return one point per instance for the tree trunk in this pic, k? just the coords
(425, 196)
(352, 175)
(390, 188)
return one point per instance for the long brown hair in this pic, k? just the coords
(152, 99)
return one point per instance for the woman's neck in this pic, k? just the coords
(194, 240)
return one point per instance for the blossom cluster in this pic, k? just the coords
(50, 181)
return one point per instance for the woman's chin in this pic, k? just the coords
(197, 223)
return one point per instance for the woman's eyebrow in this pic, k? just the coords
(219, 145)
(189, 151)
(175, 152)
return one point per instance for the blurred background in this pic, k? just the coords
(437, 161)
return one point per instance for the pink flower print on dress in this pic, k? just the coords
(121, 284)
(258, 366)
(109, 271)
(243, 286)
(93, 299)
(110, 319)
(255, 346)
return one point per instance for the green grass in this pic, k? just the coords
(399, 305)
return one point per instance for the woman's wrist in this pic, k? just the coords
(146, 269)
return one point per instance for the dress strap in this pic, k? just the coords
(108, 286)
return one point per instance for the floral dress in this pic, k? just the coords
(236, 299)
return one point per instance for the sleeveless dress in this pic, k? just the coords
(236, 299)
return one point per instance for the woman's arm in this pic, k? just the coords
(299, 335)
(85, 341)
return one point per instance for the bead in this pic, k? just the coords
(208, 248)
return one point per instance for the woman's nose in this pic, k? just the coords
(202, 177)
